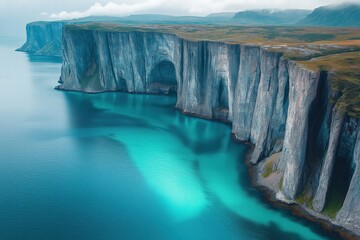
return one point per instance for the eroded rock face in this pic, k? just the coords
(275, 104)
(267, 126)
(43, 38)
(302, 93)
(329, 161)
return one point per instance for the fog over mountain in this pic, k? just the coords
(334, 15)
(271, 16)
(14, 14)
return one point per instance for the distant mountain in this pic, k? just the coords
(140, 18)
(214, 18)
(334, 15)
(270, 16)
(221, 15)
(163, 18)
(92, 19)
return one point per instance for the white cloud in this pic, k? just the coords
(110, 9)
(184, 7)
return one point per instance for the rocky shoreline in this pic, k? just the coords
(269, 187)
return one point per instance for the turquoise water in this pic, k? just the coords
(120, 166)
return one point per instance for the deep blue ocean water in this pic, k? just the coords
(120, 166)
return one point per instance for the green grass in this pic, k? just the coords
(338, 188)
(332, 209)
(294, 43)
(236, 34)
(280, 184)
(344, 70)
(333, 204)
(269, 166)
(311, 37)
(304, 199)
(267, 170)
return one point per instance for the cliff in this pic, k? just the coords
(43, 38)
(279, 105)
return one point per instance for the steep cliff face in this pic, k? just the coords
(43, 38)
(302, 94)
(329, 161)
(276, 104)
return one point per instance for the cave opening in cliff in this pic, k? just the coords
(223, 95)
(340, 182)
(163, 79)
(221, 105)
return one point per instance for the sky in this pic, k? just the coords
(14, 14)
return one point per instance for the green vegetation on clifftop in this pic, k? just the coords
(344, 70)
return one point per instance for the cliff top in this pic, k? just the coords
(336, 50)
(297, 43)
(344, 70)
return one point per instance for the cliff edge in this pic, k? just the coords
(43, 38)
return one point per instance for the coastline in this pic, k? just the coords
(269, 196)
(254, 170)
(295, 209)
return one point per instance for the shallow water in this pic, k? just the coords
(120, 166)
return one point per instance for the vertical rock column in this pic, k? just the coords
(329, 161)
(349, 214)
(246, 91)
(265, 102)
(302, 92)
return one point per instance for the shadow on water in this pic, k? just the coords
(112, 110)
(83, 114)
(43, 59)
(202, 143)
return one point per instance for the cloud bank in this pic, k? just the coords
(184, 7)
(173, 7)
(109, 9)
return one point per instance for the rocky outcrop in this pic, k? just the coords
(276, 104)
(43, 38)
